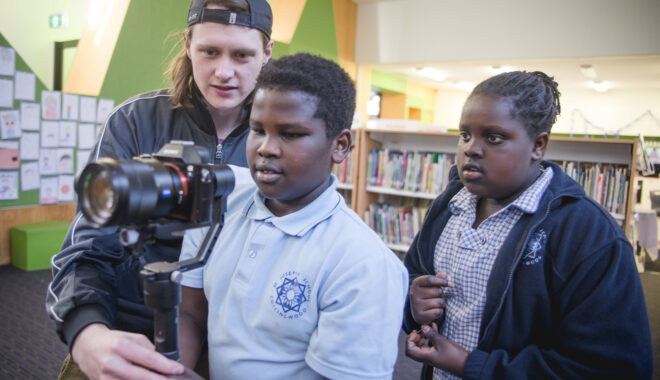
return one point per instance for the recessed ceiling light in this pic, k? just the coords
(464, 86)
(497, 69)
(599, 85)
(430, 73)
(588, 71)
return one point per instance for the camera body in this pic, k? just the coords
(174, 184)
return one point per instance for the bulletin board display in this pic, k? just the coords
(46, 136)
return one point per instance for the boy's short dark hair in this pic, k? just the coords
(534, 97)
(319, 77)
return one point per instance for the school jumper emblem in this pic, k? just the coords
(535, 248)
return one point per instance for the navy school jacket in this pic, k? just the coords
(564, 298)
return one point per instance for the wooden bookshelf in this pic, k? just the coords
(592, 151)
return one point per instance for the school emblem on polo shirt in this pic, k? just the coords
(290, 295)
(535, 248)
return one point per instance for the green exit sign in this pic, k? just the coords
(58, 20)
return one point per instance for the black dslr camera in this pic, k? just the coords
(174, 184)
(169, 191)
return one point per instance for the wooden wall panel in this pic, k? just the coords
(13, 216)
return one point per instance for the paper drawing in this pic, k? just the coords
(70, 106)
(30, 116)
(50, 105)
(8, 185)
(29, 176)
(24, 85)
(10, 124)
(87, 109)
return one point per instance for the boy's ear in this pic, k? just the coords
(540, 144)
(341, 146)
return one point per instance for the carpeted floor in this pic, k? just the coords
(29, 348)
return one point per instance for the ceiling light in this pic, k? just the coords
(588, 71)
(497, 69)
(430, 73)
(464, 86)
(599, 85)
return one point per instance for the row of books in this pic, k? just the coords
(396, 224)
(344, 170)
(409, 170)
(607, 184)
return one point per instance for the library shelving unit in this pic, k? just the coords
(395, 208)
(400, 173)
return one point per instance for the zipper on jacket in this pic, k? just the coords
(218, 152)
(511, 270)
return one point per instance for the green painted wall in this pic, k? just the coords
(315, 32)
(144, 48)
(388, 82)
(30, 197)
(150, 30)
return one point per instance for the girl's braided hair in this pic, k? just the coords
(534, 97)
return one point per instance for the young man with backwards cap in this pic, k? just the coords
(95, 298)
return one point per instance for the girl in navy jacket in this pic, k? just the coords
(516, 273)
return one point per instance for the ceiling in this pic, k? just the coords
(622, 72)
(630, 72)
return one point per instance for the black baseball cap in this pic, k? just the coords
(259, 17)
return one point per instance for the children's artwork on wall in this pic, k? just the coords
(104, 109)
(6, 93)
(30, 117)
(67, 134)
(9, 155)
(50, 105)
(81, 160)
(24, 85)
(50, 134)
(48, 161)
(10, 124)
(65, 161)
(29, 176)
(87, 109)
(46, 137)
(86, 135)
(48, 190)
(65, 193)
(9, 185)
(7, 60)
(29, 146)
(70, 106)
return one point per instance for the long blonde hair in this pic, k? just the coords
(180, 69)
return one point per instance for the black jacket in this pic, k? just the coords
(564, 299)
(94, 278)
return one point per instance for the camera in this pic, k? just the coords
(174, 184)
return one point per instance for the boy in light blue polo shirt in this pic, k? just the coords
(297, 287)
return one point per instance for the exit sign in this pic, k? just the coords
(58, 20)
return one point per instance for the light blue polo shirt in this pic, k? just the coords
(310, 294)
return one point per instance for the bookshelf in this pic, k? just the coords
(395, 209)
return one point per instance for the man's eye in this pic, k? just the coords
(257, 131)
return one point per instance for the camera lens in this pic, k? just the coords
(128, 192)
(99, 195)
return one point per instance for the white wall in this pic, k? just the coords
(610, 111)
(440, 30)
(25, 25)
